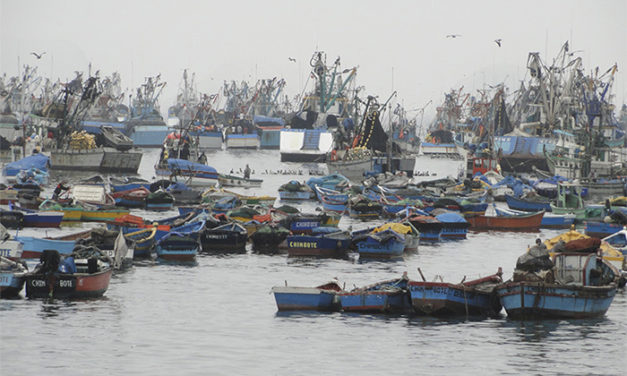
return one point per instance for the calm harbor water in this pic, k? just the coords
(219, 318)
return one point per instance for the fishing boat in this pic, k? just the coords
(294, 190)
(268, 237)
(360, 207)
(584, 286)
(320, 242)
(618, 240)
(242, 141)
(33, 247)
(454, 226)
(114, 138)
(9, 247)
(474, 297)
(386, 243)
(68, 278)
(389, 296)
(305, 223)
(527, 204)
(11, 219)
(131, 198)
(569, 201)
(430, 228)
(549, 220)
(523, 222)
(601, 229)
(12, 277)
(238, 181)
(177, 247)
(146, 126)
(143, 240)
(227, 237)
(192, 174)
(159, 200)
(319, 298)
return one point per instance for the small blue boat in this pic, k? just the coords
(194, 174)
(618, 240)
(33, 247)
(454, 226)
(456, 299)
(306, 223)
(333, 182)
(382, 297)
(294, 190)
(333, 206)
(321, 242)
(320, 298)
(12, 278)
(192, 230)
(330, 194)
(159, 201)
(585, 286)
(224, 204)
(384, 244)
(601, 229)
(527, 205)
(430, 228)
(144, 240)
(177, 247)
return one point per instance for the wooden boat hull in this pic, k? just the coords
(375, 301)
(529, 222)
(238, 181)
(317, 245)
(446, 299)
(43, 219)
(305, 299)
(288, 195)
(102, 215)
(11, 284)
(33, 247)
(12, 249)
(601, 230)
(177, 248)
(532, 300)
(68, 286)
(370, 248)
(223, 240)
(525, 205)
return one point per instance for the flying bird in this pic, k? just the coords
(38, 56)
(498, 41)
(453, 35)
(291, 59)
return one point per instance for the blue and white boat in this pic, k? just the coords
(585, 286)
(601, 229)
(321, 242)
(12, 277)
(384, 244)
(146, 126)
(474, 297)
(177, 247)
(618, 240)
(36, 161)
(33, 247)
(332, 182)
(454, 226)
(294, 190)
(269, 131)
(207, 139)
(528, 205)
(320, 298)
(193, 174)
(383, 297)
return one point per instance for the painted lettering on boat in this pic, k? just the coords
(5, 280)
(38, 283)
(5, 252)
(306, 224)
(215, 236)
(67, 283)
(303, 244)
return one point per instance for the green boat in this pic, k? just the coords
(569, 201)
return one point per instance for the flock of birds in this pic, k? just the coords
(497, 41)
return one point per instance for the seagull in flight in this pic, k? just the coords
(453, 35)
(498, 41)
(291, 59)
(38, 56)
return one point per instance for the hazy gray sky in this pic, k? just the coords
(396, 44)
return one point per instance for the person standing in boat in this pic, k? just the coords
(247, 172)
(61, 188)
(184, 154)
(202, 159)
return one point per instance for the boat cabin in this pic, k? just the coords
(582, 269)
(482, 165)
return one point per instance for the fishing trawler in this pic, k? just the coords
(310, 136)
(146, 126)
(75, 149)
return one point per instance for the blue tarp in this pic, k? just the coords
(450, 218)
(38, 161)
(183, 164)
(266, 120)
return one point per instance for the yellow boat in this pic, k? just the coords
(102, 215)
(70, 213)
(608, 253)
